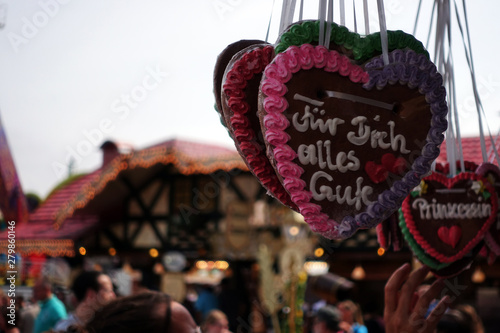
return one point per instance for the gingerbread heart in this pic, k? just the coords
(357, 47)
(448, 217)
(239, 97)
(492, 173)
(220, 67)
(324, 119)
(439, 269)
(389, 234)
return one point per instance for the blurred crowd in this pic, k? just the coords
(95, 307)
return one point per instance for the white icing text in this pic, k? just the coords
(439, 211)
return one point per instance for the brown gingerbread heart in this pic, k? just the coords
(239, 98)
(328, 123)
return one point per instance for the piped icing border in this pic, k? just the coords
(416, 249)
(490, 240)
(407, 70)
(251, 63)
(449, 183)
(362, 47)
(383, 235)
(444, 168)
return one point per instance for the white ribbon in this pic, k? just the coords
(383, 31)
(367, 17)
(342, 12)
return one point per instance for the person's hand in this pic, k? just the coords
(404, 310)
(345, 327)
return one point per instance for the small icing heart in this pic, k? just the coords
(394, 165)
(377, 173)
(450, 236)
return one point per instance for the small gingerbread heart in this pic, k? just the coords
(439, 269)
(448, 217)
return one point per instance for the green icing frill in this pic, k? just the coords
(362, 47)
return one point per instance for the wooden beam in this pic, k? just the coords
(146, 211)
(236, 190)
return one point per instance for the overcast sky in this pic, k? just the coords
(74, 73)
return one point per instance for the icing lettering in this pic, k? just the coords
(327, 192)
(397, 142)
(308, 122)
(437, 211)
(313, 154)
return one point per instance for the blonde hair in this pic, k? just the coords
(213, 317)
(355, 309)
(476, 322)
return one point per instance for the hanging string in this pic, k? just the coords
(383, 31)
(468, 57)
(321, 15)
(450, 139)
(355, 21)
(342, 12)
(476, 93)
(453, 102)
(493, 146)
(291, 13)
(329, 24)
(269, 24)
(430, 26)
(416, 18)
(284, 12)
(367, 17)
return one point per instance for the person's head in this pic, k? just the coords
(93, 287)
(151, 312)
(327, 320)
(42, 289)
(462, 319)
(216, 322)
(351, 312)
(470, 312)
(454, 321)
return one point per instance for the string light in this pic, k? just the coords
(381, 251)
(146, 158)
(112, 251)
(319, 252)
(153, 252)
(294, 231)
(52, 247)
(222, 265)
(478, 276)
(314, 268)
(358, 273)
(82, 251)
